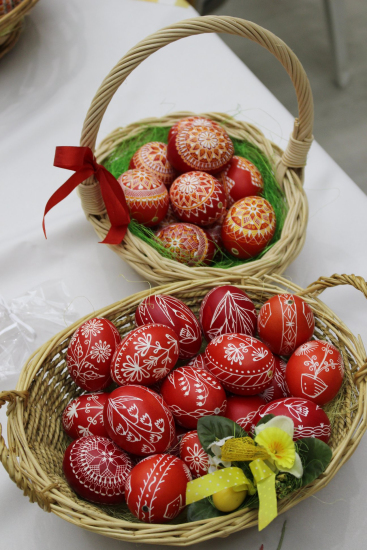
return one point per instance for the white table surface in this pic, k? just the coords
(46, 85)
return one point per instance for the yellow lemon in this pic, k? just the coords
(228, 499)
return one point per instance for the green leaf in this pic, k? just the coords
(214, 428)
(265, 419)
(202, 509)
(315, 456)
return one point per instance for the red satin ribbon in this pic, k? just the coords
(82, 161)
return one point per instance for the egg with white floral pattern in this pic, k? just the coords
(193, 454)
(191, 393)
(145, 356)
(173, 313)
(90, 352)
(243, 364)
(139, 421)
(83, 416)
(308, 418)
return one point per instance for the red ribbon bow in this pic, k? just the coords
(82, 161)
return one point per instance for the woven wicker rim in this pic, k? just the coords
(288, 165)
(11, 25)
(36, 441)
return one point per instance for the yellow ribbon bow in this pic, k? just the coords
(265, 481)
(219, 480)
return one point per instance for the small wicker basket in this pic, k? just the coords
(11, 25)
(36, 441)
(288, 166)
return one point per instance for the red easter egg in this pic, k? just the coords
(284, 323)
(147, 354)
(192, 121)
(240, 179)
(315, 371)
(198, 362)
(203, 148)
(197, 197)
(309, 419)
(243, 410)
(84, 416)
(152, 158)
(248, 227)
(139, 421)
(244, 365)
(156, 488)
(187, 243)
(227, 309)
(173, 313)
(278, 388)
(193, 454)
(146, 196)
(90, 353)
(191, 393)
(97, 470)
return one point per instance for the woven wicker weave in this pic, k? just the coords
(36, 441)
(288, 166)
(11, 25)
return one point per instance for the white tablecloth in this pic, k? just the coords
(47, 83)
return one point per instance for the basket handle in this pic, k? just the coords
(322, 283)
(8, 457)
(300, 141)
(316, 288)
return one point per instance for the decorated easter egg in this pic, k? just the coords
(191, 393)
(198, 362)
(84, 416)
(240, 179)
(152, 158)
(146, 196)
(315, 371)
(90, 353)
(173, 313)
(193, 454)
(156, 488)
(197, 197)
(244, 365)
(243, 410)
(96, 469)
(284, 323)
(192, 121)
(278, 388)
(203, 148)
(248, 227)
(227, 309)
(309, 419)
(146, 355)
(187, 243)
(139, 421)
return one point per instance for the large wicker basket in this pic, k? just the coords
(36, 441)
(11, 25)
(288, 166)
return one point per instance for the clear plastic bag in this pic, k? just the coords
(28, 321)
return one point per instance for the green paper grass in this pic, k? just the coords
(118, 162)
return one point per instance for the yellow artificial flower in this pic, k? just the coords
(279, 445)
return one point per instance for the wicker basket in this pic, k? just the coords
(11, 25)
(36, 441)
(288, 166)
